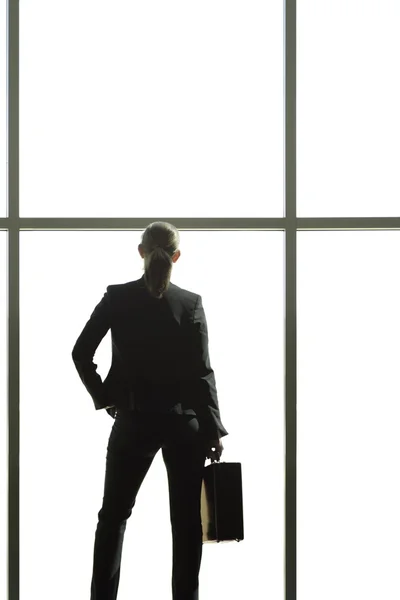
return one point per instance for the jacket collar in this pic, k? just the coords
(141, 283)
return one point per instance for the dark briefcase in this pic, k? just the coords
(222, 502)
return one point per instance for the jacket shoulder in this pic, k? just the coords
(189, 295)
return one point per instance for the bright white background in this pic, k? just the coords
(3, 414)
(137, 108)
(348, 406)
(348, 98)
(63, 439)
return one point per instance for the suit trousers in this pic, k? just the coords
(135, 439)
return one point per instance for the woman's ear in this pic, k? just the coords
(176, 256)
(140, 248)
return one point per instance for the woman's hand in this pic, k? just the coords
(214, 449)
(111, 411)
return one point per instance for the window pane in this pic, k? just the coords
(3, 415)
(162, 107)
(64, 440)
(348, 119)
(3, 109)
(348, 415)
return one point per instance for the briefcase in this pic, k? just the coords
(222, 502)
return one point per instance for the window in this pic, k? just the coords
(155, 108)
(64, 440)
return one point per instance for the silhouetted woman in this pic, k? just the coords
(161, 391)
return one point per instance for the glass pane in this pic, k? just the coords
(348, 415)
(161, 107)
(64, 440)
(348, 118)
(3, 415)
(3, 109)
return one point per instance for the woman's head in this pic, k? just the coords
(159, 249)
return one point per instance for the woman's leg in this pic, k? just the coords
(129, 456)
(184, 456)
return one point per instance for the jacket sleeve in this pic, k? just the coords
(207, 406)
(85, 348)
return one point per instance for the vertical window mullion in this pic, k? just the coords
(13, 295)
(291, 316)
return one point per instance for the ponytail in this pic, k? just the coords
(160, 241)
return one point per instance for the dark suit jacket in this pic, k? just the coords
(160, 358)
